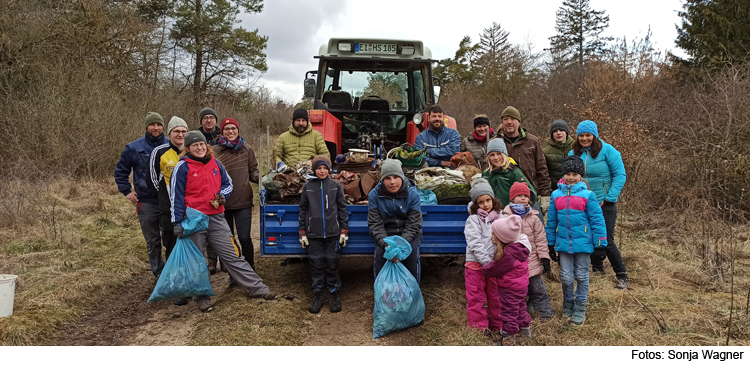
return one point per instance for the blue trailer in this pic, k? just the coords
(442, 231)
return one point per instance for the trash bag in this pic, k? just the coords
(398, 299)
(427, 197)
(185, 274)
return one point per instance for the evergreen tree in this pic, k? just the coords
(460, 67)
(579, 31)
(501, 67)
(714, 31)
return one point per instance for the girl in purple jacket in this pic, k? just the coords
(511, 268)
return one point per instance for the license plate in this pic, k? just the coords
(375, 48)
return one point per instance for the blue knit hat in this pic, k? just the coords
(497, 145)
(587, 126)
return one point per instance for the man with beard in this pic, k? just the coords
(135, 158)
(440, 142)
(301, 142)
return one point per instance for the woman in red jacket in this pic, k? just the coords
(200, 182)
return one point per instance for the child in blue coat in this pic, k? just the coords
(575, 226)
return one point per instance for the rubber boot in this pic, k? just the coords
(526, 331)
(567, 309)
(317, 303)
(579, 314)
(335, 303)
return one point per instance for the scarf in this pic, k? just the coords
(483, 138)
(203, 160)
(488, 217)
(520, 209)
(234, 146)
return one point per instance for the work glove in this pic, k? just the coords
(553, 253)
(303, 241)
(281, 167)
(218, 201)
(178, 231)
(342, 240)
(544, 203)
(546, 265)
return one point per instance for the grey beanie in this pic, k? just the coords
(391, 167)
(206, 111)
(176, 122)
(153, 117)
(559, 124)
(497, 145)
(194, 136)
(481, 189)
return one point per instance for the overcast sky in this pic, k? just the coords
(297, 28)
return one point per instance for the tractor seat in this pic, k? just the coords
(337, 99)
(374, 103)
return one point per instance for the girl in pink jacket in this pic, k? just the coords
(511, 268)
(539, 258)
(483, 210)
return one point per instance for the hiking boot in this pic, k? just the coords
(567, 309)
(205, 306)
(335, 303)
(597, 272)
(211, 267)
(579, 314)
(269, 296)
(317, 303)
(180, 301)
(526, 331)
(623, 283)
(506, 340)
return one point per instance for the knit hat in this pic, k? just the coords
(227, 121)
(206, 111)
(153, 117)
(176, 122)
(559, 124)
(511, 112)
(391, 166)
(587, 126)
(573, 164)
(497, 145)
(507, 229)
(194, 136)
(319, 160)
(481, 189)
(481, 121)
(519, 188)
(300, 113)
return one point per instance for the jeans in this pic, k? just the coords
(148, 216)
(243, 219)
(575, 267)
(609, 210)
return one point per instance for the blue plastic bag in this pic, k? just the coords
(398, 299)
(427, 197)
(185, 273)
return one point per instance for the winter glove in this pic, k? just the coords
(546, 265)
(303, 241)
(178, 231)
(544, 203)
(343, 239)
(553, 254)
(281, 167)
(218, 200)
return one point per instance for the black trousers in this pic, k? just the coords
(611, 251)
(243, 218)
(168, 238)
(412, 262)
(324, 264)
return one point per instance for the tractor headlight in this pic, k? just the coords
(417, 119)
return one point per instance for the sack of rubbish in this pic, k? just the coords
(185, 274)
(398, 299)
(427, 197)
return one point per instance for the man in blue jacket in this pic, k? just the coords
(136, 157)
(441, 142)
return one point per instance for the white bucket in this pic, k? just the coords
(7, 294)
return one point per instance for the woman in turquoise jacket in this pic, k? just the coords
(604, 172)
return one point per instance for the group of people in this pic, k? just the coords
(574, 181)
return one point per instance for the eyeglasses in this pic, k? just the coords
(209, 117)
(227, 128)
(179, 132)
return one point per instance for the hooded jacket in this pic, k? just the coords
(605, 174)
(501, 181)
(575, 223)
(440, 146)
(242, 167)
(478, 233)
(194, 184)
(293, 147)
(478, 150)
(322, 209)
(555, 153)
(533, 228)
(394, 214)
(512, 269)
(136, 157)
(527, 151)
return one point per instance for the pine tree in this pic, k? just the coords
(459, 68)
(714, 31)
(579, 31)
(500, 66)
